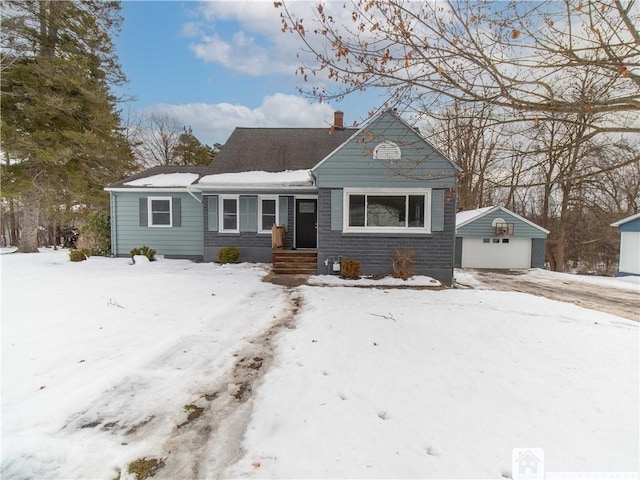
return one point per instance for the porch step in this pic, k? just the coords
(295, 262)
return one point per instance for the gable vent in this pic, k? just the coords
(387, 151)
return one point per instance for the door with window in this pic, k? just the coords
(306, 223)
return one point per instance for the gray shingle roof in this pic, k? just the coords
(262, 149)
(277, 149)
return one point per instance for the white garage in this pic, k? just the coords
(496, 252)
(495, 237)
(629, 228)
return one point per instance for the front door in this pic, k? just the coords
(306, 223)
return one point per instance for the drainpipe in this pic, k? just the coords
(191, 193)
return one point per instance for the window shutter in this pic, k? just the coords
(284, 211)
(176, 211)
(336, 209)
(144, 214)
(212, 207)
(437, 210)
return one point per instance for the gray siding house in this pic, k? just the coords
(358, 193)
(495, 237)
(629, 261)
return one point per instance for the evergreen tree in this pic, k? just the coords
(60, 127)
(189, 150)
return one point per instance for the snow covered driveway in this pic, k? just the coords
(618, 296)
(100, 359)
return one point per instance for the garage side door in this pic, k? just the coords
(496, 253)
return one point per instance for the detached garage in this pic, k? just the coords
(629, 229)
(495, 237)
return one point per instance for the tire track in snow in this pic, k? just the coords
(205, 446)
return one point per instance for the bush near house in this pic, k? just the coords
(403, 266)
(78, 254)
(150, 253)
(350, 269)
(229, 255)
(95, 235)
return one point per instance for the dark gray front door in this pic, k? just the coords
(306, 222)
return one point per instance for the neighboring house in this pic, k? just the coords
(495, 237)
(629, 228)
(341, 192)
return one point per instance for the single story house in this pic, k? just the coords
(495, 237)
(629, 228)
(357, 193)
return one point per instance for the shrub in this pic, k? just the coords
(95, 235)
(78, 254)
(228, 255)
(350, 269)
(403, 266)
(150, 253)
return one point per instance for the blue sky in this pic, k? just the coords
(217, 65)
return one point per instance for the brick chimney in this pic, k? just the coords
(338, 119)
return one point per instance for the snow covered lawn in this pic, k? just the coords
(103, 341)
(373, 383)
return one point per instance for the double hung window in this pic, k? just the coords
(159, 211)
(247, 213)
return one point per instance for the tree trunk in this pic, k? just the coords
(14, 232)
(30, 215)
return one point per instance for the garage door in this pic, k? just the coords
(496, 252)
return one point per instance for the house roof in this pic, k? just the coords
(465, 217)
(277, 149)
(257, 179)
(371, 120)
(162, 176)
(626, 220)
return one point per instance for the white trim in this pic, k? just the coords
(221, 199)
(282, 189)
(147, 190)
(277, 219)
(406, 192)
(625, 220)
(150, 201)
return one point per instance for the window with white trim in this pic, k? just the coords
(267, 213)
(228, 214)
(387, 210)
(159, 211)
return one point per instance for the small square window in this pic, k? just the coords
(159, 209)
(505, 240)
(496, 240)
(486, 240)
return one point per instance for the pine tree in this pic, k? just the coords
(190, 151)
(59, 125)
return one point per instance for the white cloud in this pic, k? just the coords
(241, 53)
(246, 36)
(215, 122)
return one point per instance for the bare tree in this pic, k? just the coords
(471, 136)
(157, 139)
(517, 57)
